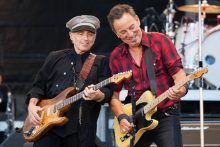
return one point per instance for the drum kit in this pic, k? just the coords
(186, 40)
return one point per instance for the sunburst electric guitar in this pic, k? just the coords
(146, 106)
(54, 109)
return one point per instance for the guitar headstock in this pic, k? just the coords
(198, 73)
(117, 78)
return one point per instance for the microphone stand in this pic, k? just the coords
(169, 20)
(201, 16)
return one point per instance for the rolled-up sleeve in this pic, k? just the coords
(170, 56)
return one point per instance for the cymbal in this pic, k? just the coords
(195, 8)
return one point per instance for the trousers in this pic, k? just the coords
(168, 131)
(52, 140)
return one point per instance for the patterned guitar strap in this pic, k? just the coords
(86, 68)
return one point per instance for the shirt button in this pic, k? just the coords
(71, 63)
(57, 85)
(64, 73)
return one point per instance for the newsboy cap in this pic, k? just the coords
(83, 22)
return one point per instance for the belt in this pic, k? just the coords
(167, 111)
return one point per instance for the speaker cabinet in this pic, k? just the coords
(191, 133)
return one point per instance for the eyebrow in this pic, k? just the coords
(132, 25)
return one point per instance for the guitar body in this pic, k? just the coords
(51, 116)
(146, 106)
(142, 124)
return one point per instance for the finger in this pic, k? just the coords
(91, 86)
(122, 131)
(34, 121)
(87, 98)
(36, 116)
(39, 108)
(84, 97)
(86, 92)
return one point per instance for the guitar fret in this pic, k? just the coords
(30, 133)
(101, 84)
(152, 102)
(163, 96)
(78, 96)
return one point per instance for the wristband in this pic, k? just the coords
(123, 116)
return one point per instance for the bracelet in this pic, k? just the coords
(123, 116)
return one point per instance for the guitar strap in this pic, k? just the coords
(86, 68)
(151, 77)
(133, 103)
(150, 66)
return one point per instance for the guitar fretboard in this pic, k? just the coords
(164, 95)
(79, 95)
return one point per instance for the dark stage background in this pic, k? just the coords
(29, 29)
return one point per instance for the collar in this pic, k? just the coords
(83, 56)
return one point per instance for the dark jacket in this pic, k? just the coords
(56, 74)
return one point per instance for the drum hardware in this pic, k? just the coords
(169, 25)
(209, 58)
(201, 15)
(207, 8)
(186, 44)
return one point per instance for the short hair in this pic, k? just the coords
(117, 12)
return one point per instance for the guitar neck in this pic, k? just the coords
(164, 95)
(79, 95)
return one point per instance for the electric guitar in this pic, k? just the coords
(54, 109)
(146, 107)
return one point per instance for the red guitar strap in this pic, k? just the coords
(87, 66)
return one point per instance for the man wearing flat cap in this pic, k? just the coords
(63, 69)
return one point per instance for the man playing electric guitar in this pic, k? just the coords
(61, 70)
(168, 71)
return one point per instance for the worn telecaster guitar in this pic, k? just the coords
(146, 107)
(54, 109)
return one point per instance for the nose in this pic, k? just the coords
(130, 33)
(85, 36)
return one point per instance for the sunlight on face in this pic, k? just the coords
(127, 28)
(82, 40)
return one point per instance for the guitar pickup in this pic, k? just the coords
(54, 108)
(28, 133)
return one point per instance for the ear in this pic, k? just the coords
(71, 35)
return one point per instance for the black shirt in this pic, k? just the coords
(57, 73)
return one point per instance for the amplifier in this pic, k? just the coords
(191, 133)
